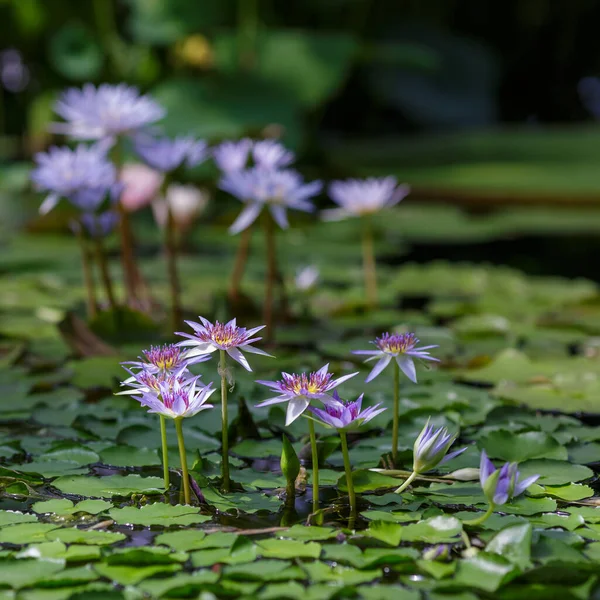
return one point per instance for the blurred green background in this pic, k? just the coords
(471, 102)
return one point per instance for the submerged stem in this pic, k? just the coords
(183, 458)
(396, 415)
(408, 481)
(482, 518)
(369, 266)
(348, 469)
(315, 464)
(165, 451)
(224, 423)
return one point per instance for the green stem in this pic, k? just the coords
(315, 464)
(271, 275)
(348, 469)
(165, 451)
(396, 415)
(171, 257)
(408, 481)
(482, 518)
(183, 458)
(88, 275)
(105, 273)
(369, 266)
(247, 31)
(239, 266)
(224, 423)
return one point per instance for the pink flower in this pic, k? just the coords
(141, 186)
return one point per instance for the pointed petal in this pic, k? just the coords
(366, 352)
(280, 216)
(254, 350)
(383, 362)
(239, 357)
(49, 203)
(274, 400)
(407, 366)
(295, 408)
(336, 382)
(323, 370)
(246, 217)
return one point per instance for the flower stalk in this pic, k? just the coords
(348, 470)
(396, 415)
(271, 275)
(224, 423)
(408, 481)
(239, 266)
(171, 257)
(105, 273)
(315, 464)
(165, 451)
(479, 520)
(88, 275)
(369, 266)
(183, 459)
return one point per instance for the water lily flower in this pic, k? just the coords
(430, 450)
(270, 154)
(106, 111)
(276, 189)
(84, 176)
(165, 358)
(499, 485)
(345, 415)
(232, 156)
(141, 185)
(185, 202)
(99, 225)
(167, 154)
(177, 399)
(357, 197)
(299, 389)
(306, 278)
(14, 73)
(402, 347)
(208, 338)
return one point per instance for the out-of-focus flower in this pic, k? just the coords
(589, 92)
(431, 448)
(84, 176)
(99, 225)
(279, 190)
(359, 197)
(299, 389)
(232, 156)
(270, 154)
(185, 202)
(14, 74)
(167, 154)
(500, 485)
(345, 415)
(141, 185)
(177, 399)
(399, 346)
(208, 338)
(106, 111)
(306, 278)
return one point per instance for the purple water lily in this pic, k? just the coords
(431, 447)
(105, 111)
(500, 485)
(345, 415)
(270, 154)
(99, 225)
(232, 156)
(84, 176)
(277, 189)
(208, 338)
(399, 346)
(299, 389)
(177, 399)
(358, 197)
(167, 154)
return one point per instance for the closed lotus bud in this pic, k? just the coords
(186, 202)
(431, 448)
(140, 186)
(290, 464)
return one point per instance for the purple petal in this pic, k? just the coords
(248, 215)
(274, 400)
(280, 216)
(486, 468)
(238, 357)
(383, 362)
(521, 486)
(407, 366)
(295, 408)
(452, 455)
(336, 382)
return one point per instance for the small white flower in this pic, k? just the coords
(307, 278)
(186, 202)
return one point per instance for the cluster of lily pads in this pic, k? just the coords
(162, 382)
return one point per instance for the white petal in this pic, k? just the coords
(239, 357)
(254, 350)
(48, 204)
(246, 217)
(383, 362)
(295, 408)
(335, 214)
(407, 366)
(337, 382)
(274, 400)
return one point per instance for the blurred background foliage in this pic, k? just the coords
(468, 101)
